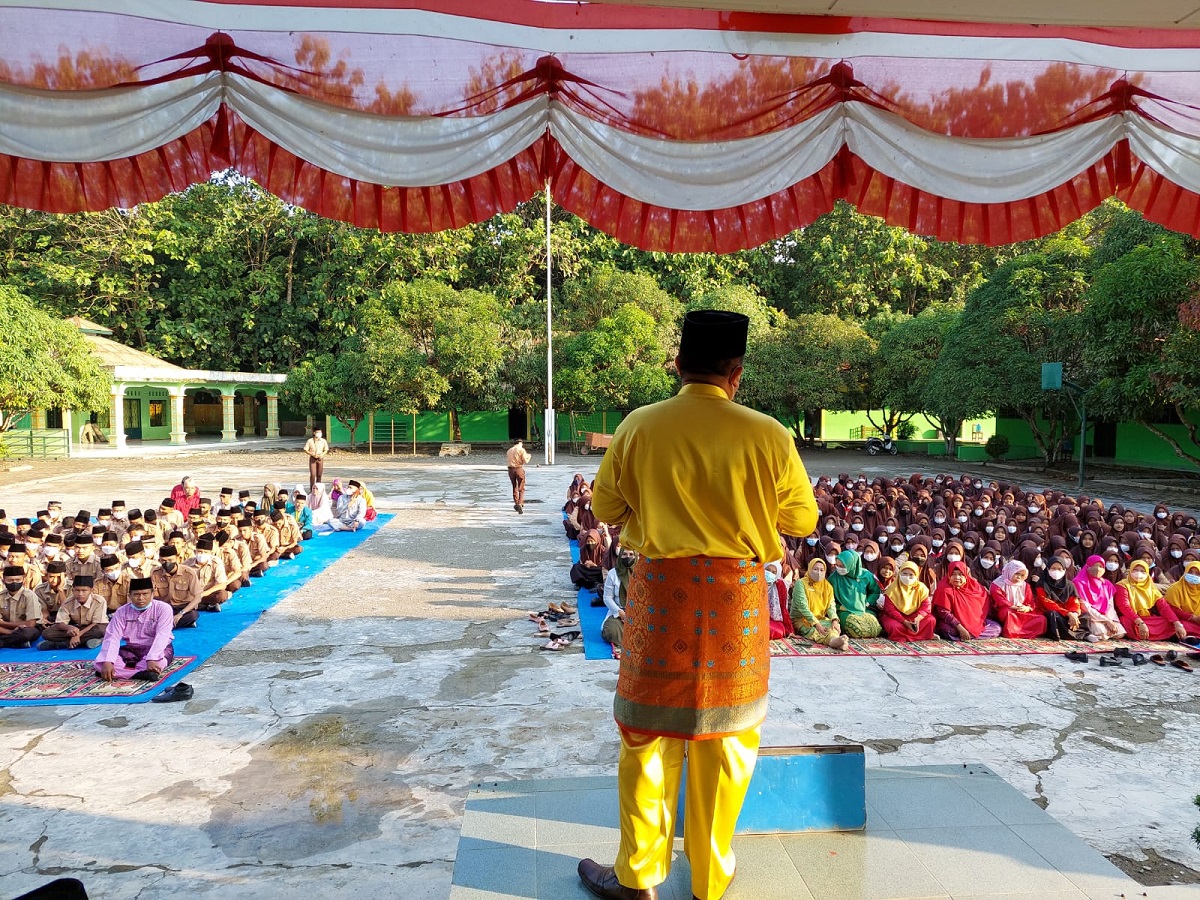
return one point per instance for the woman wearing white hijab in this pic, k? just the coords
(318, 502)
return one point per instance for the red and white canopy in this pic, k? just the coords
(678, 130)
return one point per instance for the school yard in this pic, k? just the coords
(329, 749)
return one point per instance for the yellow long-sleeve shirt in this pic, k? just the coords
(699, 475)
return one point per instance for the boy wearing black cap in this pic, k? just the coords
(351, 511)
(144, 624)
(82, 619)
(83, 559)
(211, 572)
(256, 547)
(21, 613)
(178, 586)
(55, 590)
(113, 583)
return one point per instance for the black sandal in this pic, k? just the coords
(1078, 656)
(1110, 661)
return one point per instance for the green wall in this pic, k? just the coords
(837, 425)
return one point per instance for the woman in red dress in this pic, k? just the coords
(1015, 606)
(907, 611)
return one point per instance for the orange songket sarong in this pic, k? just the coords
(696, 654)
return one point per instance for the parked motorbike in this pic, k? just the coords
(881, 445)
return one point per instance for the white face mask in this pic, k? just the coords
(890, 529)
(1032, 509)
(962, 520)
(110, 549)
(1177, 554)
(1057, 574)
(1112, 565)
(1124, 548)
(938, 543)
(52, 552)
(907, 578)
(829, 526)
(1011, 529)
(1039, 563)
(939, 519)
(954, 557)
(97, 541)
(870, 557)
(979, 512)
(1160, 515)
(1192, 578)
(970, 545)
(857, 508)
(986, 563)
(841, 570)
(896, 548)
(954, 529)
(857, 526)
(112, 574)
(989, 528)
(202, 558)
(1137, 576)
(830, 559)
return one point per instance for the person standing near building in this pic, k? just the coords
(317, 449)
(518, 457)
(702, 487)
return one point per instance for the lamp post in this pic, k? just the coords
(1052, 380)
(549, 422)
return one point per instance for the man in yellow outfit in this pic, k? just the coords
(701, 487)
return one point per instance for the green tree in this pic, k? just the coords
(811, 362)
(620, 363)
(459, 334)
(1141, 341)
(1028, 312)
(341, 386)
(45, 363)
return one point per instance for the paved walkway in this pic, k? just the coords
(331, 748)
(195, 444)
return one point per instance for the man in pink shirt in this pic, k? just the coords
(186, 496)
(145, 625)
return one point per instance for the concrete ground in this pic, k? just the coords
(331, 747)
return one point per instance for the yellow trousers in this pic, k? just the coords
(648, 776)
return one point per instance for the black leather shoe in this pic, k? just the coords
(179, 693)
(602, 882)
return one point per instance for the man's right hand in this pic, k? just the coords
(106, 672)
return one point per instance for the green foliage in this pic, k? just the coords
(45, 363)
(340, 386)
(620, 363)
(997, 446)
(811, 362)
(906, 431)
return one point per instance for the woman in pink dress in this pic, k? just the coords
(1015, 606)
(1098, 594)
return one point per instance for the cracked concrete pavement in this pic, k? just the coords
(330, 747)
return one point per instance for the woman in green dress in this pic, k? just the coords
(856, 592)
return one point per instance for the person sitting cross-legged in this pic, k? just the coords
(178, 586)
(907, 612)
(350, 513)
(211, 572)
(21, 611)
(81, 620)
(813, 608)
(138, 641)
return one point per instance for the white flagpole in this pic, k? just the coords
(549, 424)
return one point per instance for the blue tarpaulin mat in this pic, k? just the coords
(214, 630)
(591, 618)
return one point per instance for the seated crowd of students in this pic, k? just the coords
(67, 579)
(946, 558)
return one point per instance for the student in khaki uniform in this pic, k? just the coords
(110, 545)
(120, 518)
(177, 585)
(53, 550)
(289, 534)
(260, 551)
(21, 612)
(245, 560)
(84, 561)
(226, 548)
(18, 556)
(263, 526)
(211, 573)
(33, 551)
(179, 540)
(113, 583)
(136, 562)
(170, 518)
(55, 590)
(82, 619)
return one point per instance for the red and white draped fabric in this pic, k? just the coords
(676, 130)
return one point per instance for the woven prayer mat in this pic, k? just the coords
(798, 646)
(73, 680)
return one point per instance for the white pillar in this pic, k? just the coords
(228, 413)
(69, 428)
(117, 417)
(308, 426)
(272, 415)
(178, 432)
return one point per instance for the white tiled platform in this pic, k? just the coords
(932, 832)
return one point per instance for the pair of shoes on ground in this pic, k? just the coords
(561, 642)
(601, 881)
(1171, 658)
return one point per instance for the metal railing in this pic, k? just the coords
(862, 432)
(37, 443)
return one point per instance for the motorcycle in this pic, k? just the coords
(884, 444)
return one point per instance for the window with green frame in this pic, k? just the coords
(157, 413)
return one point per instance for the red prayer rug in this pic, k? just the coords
(797, 646)
(75, 680)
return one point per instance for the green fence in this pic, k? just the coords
(39, 443)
